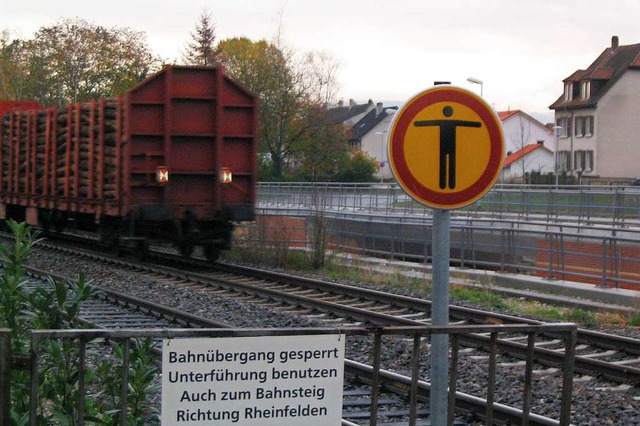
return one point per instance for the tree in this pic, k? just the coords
(201, 50)
(13, 67)
(76, 61)
(293, 93)
(321, 153)
(359, 167)
(262, 67)
(321, 149)
(521, 137)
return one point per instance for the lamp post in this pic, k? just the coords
(556, 130)
(476, 81)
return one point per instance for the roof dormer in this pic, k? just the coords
(568, 90)
(585, 89)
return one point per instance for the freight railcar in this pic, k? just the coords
(171, 160)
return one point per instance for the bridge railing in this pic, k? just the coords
(615, 206)
(584, 234)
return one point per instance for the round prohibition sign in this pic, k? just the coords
(446, 147)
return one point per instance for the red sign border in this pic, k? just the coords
(401, 170)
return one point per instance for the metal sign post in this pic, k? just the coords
(446, 149)
(441, 242)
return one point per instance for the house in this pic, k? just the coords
(535, 157)
(529, 144)
(598, 116)
(520, 130)
(367, 127)
(349, 114)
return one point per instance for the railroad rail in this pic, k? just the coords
(408, 311)
(198, 281)
(114, 311)
(349, 305)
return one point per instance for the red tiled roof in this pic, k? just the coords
(612, 63)
(603, 73)
(521, 153)
(506, 114)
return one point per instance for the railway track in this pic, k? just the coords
(346, 305)
(361, 304)
(114, 310)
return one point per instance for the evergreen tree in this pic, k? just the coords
(201, 49)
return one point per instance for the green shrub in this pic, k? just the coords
(583, 317)
(634, 319)
(58, 360)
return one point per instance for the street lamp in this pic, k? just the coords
(476, 81)
(556, 131)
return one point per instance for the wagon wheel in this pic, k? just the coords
(211, 252)
(186, 248)
(46, 220)
(59, 222)
(109, 235)
(142, 250)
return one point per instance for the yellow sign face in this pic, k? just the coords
(446, 147)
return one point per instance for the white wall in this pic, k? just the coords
(374, 143)
(541, 160)
(529, 132)
(617, 128)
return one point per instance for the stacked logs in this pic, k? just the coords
(4, 151)
(5, 137)
(70, 152)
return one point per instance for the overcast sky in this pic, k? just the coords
(388, 50)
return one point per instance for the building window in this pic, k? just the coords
(355, 145)
(578, 160)
(585, 90)
(584, 161)
(588, 125)
(568, 91)
(564, 161)
(565, 123)
(579, 127)
(584, 126)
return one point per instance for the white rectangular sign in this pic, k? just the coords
(253, 381)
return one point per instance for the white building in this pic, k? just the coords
(520, 130)
(532, 158)
(368, 128)
(598, 113)
(529, 144)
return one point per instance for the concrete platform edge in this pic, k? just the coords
(497, 280)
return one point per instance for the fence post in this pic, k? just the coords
(5, 376)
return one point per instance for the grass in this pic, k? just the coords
(478, 296)
(281, 256)
(483, 296)
(360, 273)
(634, 319)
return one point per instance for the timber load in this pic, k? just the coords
(69, 152)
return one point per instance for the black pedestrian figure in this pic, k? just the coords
(447, 143)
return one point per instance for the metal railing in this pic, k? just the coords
(418, 390)
(584, 234)
(611, 206)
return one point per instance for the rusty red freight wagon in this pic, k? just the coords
(173, 159)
